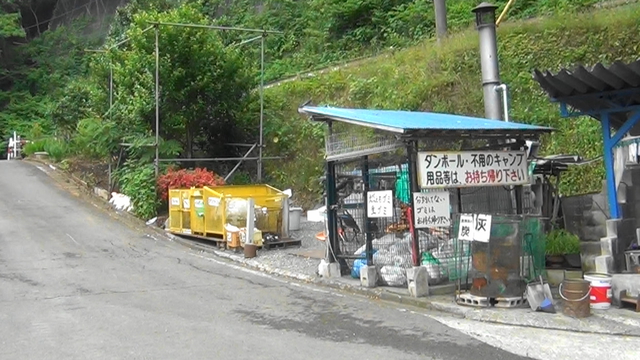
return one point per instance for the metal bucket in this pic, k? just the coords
(575, 293)
(250, 250)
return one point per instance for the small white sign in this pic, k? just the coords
(482, 228)
(199, 203)
(175, 201)
(213, 201)
(465, 230)
(186, 204)
(432, 209)
(380, 204)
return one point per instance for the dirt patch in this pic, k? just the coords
(92, 172)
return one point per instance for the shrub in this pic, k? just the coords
(33, 147)
(56, 148)
(560, 242)
(184, 179)
(136, 180)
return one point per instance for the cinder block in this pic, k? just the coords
(605, 264)
(368, 276)
(609, 246)
(329, 270)
(418, 280)
(612, 227)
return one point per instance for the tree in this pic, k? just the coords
(204, 85)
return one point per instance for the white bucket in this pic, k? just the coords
(600, 293)
(294, 218)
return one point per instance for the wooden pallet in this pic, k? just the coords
(219, 242)
(281, 244)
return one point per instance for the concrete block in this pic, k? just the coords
(418, 281)
(368, 276)
(101, 193)
(609, 246)
(329, 270)
(612, 227)
(605, 264)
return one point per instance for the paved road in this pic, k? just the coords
(77, 284)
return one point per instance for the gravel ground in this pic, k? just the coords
(286, 259)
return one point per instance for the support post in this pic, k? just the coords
(157, 144)
(331, 211)
(612, 194)
(110, 88)
(261, 143)
(367, 228)
(441, 18)
(412, 149)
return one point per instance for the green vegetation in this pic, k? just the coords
(561, 242)
(323, 32)
(57, 95)
(447, 79)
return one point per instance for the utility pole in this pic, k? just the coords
(441, 18)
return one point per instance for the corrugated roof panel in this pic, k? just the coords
(407, 121)
(567, 83)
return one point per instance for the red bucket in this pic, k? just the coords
(600, 293)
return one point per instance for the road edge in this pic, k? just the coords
(379, 293)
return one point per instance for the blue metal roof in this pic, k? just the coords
(405, 122)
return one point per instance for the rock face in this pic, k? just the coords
(100, 11)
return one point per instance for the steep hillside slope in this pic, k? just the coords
(447, 79)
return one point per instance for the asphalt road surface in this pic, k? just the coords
(77, 284)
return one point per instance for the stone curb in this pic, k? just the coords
(375, 293)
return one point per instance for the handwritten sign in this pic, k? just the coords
(465, 231)
(175, 201)
(380, 204)
(475, 227)
(431, 209)
(213, 201)
(472, 168)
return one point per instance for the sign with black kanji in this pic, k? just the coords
(432, 209)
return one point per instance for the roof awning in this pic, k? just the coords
(425, 124)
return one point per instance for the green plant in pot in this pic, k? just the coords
(561, 246)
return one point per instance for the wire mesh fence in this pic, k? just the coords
(446, 258)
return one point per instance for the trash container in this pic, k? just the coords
(295, 213)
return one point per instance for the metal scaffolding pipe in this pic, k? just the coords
(216, 27)
(157, 143)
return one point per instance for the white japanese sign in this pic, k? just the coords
(440, 169)
(175, 201)
(186, 204)
(482, 229)
(213, 201)
(432, 209)
(465, 230)
(475, 227)
(380, 204)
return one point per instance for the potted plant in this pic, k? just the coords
(562, 246)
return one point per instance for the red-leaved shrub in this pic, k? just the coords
(185, 179)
